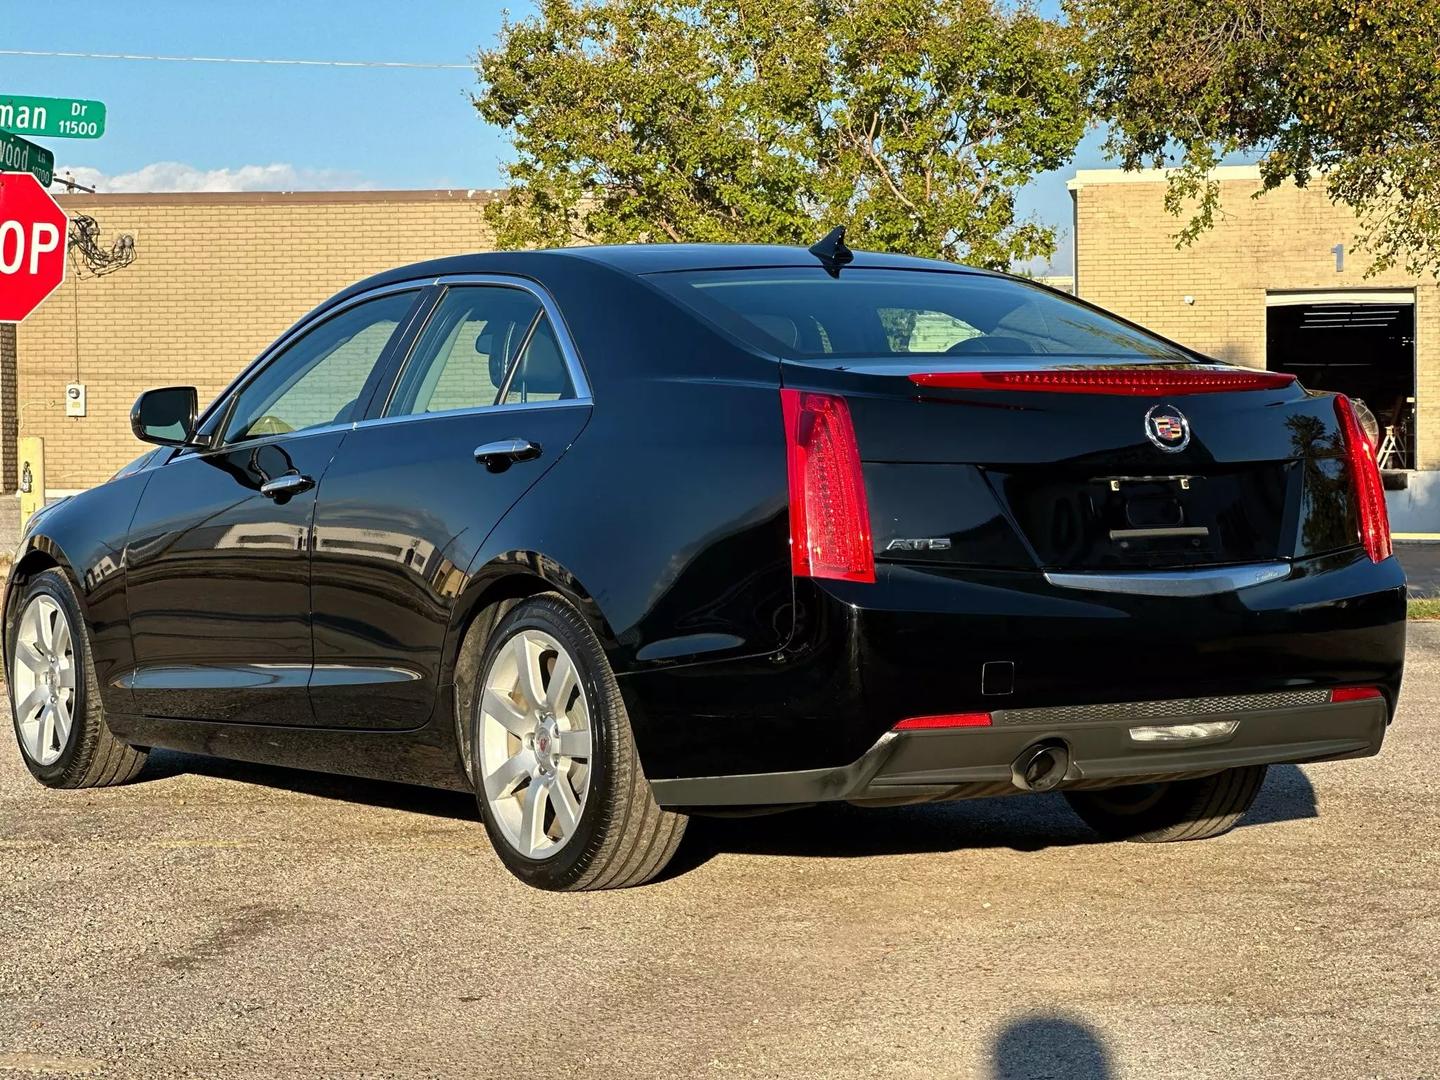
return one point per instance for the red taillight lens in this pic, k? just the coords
(1354, 693)
(948, 720)
(829, 518)
(1365, 479)
(1129, 382)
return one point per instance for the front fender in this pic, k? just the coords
(84, 537)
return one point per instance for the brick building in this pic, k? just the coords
(219, 276)
(216, 278)
(1279, 282)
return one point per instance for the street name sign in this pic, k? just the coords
(32, 245)
(22, 155)
(55, 118)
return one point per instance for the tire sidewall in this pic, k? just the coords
(561, 621)
(52, 583)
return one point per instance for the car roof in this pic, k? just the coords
(640, 259)
(664, 258)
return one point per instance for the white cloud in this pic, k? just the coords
(177, 176)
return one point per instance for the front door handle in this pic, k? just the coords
(499, 454)
(282, 487)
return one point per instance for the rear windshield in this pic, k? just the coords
(874, 314)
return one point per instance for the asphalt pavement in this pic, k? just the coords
(1421, 562)
(226, 920)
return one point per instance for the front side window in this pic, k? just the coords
(318, 380)
(478, 336)
(875, 314)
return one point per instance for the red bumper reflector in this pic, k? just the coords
(948, 720)
(1370, 511)
(1128, 382)
(1354, 693)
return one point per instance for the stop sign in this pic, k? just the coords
(32, 245)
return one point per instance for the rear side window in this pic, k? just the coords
(541, 374)
(874, 314)
(477, 337)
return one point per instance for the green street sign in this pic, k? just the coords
(22, 155)
(56, 118)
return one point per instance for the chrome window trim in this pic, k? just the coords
(1199, 582)
(473, 410)
(188, 452)
(568, 350)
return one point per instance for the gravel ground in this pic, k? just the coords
(216, 919)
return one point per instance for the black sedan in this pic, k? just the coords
(611, 536)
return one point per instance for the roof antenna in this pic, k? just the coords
(832, 252)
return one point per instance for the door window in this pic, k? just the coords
(468, 346)
(319, 379)
(541, 374)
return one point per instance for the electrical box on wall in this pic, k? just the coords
(75, 399)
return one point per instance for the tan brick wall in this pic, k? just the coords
(1127, 261)
(216, 278)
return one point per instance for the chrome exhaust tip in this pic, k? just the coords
(1041, 767)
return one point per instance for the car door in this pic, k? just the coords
(490, 396)
(218, 560)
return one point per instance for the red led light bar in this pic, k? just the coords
(1127, 382)
(948, 720)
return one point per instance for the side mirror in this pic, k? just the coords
(165, 416)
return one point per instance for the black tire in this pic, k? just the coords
(623, 837)
(92, 756)
(1176, 810)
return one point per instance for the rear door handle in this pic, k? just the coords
(282, 487)
(500, 453)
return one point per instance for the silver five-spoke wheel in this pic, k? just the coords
(534, 743)
(42, 674)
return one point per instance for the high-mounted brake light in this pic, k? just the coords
(1365, 480)
(1354, 693)
(829, 517)
(1128, 382)
(948, 720)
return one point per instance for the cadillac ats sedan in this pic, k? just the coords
(615, 536)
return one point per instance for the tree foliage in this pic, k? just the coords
(912, 122)
(1344, 91)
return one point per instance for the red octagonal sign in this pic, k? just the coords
(32, 245)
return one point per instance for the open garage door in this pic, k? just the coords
(1359, 343)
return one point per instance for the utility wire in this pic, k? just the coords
(236, 60)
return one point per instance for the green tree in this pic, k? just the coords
(912, 122)
(1346, 92)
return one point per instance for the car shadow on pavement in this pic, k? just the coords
(829, 830)
(1020, 823)
(457, 805)
(1050, 1046)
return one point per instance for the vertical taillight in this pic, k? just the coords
(1365, 479)
(829, 518)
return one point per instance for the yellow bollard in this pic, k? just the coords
(32, 476)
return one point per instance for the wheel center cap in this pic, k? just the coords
(547, 744)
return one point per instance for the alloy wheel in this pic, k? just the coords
(42, 677)
(534, 743)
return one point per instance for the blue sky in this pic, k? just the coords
(186, 124)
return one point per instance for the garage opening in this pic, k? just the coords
(1361, 344)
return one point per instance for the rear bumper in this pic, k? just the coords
(922, 641)
(974, 762)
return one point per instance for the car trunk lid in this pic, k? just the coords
(1100, 467)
